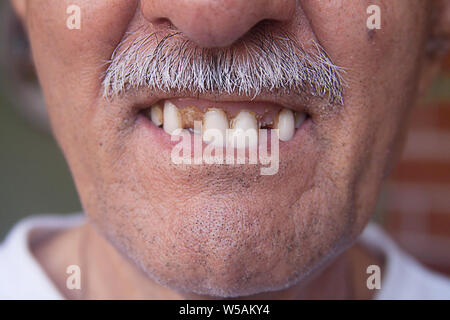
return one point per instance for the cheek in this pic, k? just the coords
(70, 62)
(382, 73)
(376, 61)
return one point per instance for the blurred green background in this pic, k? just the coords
(34, 177)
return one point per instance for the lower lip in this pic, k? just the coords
(161, 140)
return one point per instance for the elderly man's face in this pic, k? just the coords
(227, 230)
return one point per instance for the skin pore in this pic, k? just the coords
(158, 230)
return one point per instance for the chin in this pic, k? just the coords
(225, 245)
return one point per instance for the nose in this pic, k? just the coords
(216, 23)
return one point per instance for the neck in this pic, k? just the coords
(108, 275)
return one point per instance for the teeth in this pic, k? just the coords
(172, 118)
(215, 119)
(156, 114)
(244, 125)
(299, 119)
(286, 124)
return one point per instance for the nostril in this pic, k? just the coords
(263, 29)
(162, 22)
(267, 25)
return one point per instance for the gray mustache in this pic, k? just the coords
(259, 63)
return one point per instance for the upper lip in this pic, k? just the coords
(143, 99)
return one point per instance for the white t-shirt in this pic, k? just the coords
(22, 277)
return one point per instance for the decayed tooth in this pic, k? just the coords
(172, 117)
(285, 124)
(244, 125)
(215, 125)
(156, 114)
(299, 119)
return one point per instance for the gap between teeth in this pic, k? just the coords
(171, 119)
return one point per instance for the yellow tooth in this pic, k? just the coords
(244, 125)
(215, 125)
(285, 124)
(156, 114)
(299, 119)
(172, 117)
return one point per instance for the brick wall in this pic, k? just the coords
(418, 192)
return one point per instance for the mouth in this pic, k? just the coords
(238, 117)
